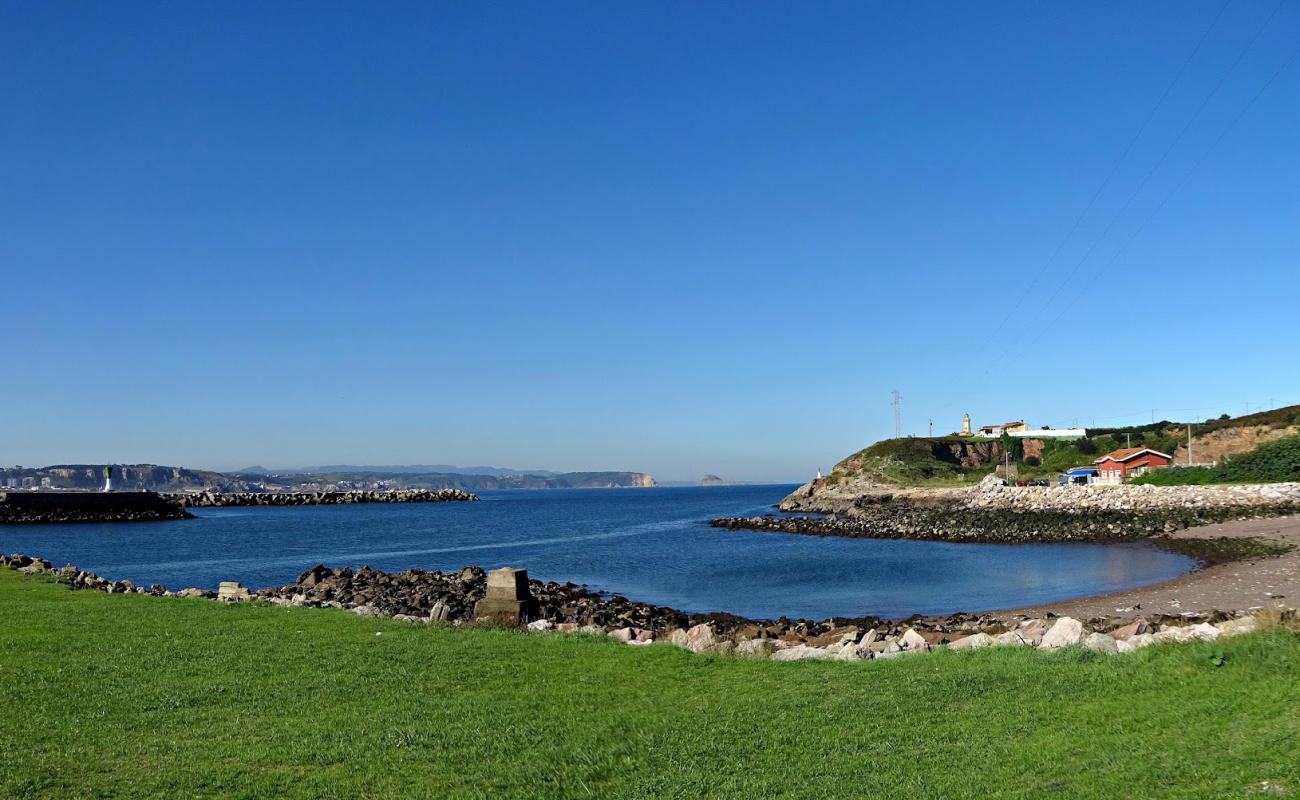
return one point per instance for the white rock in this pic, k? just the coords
(1011, 638)
(1136, 642)
(864, 645)
(700, 637)
(972, 642)
(540, 625)
(755, 648)
(1066, 632)
(1236, 627)
(1204, 632)
(799, 653)
(911, 640)
(1100, 643)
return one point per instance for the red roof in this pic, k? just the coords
(1129, 453)
(1004, 424)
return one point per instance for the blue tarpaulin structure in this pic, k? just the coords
(1078, 475)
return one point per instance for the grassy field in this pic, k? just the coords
(135, 696)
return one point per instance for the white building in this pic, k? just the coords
(1050, 433)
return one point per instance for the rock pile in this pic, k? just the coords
(210, 499)
(30, 508)
(993, 494)
(902, 519)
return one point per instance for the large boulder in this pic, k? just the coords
(1100, 643)
(1137, 627)
(756, 648)
(1067, 631)
(800, 653)
(1013, 639)
(1135, 642)
(912, 641)
(1204, 632)
(1236, 627)
(701, 637)
(973, 642)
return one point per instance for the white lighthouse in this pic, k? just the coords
(108, 479)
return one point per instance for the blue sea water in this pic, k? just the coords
(651, 545)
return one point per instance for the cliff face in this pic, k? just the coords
(1217, 445)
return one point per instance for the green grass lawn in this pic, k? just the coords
(135, 696)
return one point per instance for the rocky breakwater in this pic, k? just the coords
(994, 512)
(27, 508)
(454, 598)
(218, 499)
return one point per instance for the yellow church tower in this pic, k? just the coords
(965, 425)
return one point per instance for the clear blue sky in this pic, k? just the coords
(670, 237)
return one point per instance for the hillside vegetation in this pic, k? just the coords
(135, 696)
(955, 460)
(1271, 462)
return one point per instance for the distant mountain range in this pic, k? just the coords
(139, 477)
(401, 469)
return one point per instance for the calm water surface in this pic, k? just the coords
(652, 545)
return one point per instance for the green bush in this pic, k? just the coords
(1033, 461)
(1271, 462)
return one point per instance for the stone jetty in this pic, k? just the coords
(221, 499)
(33, 508)
(996, 513)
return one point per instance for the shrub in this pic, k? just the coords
(1032, 461)
(1086, 446)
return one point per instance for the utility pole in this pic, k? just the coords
(1128, 440)
(931, 429)
(898, 415)
(1189, 444)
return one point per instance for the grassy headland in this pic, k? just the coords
(109, 695)
(962, 460)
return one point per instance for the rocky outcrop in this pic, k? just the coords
(211, 499)
(57, 507)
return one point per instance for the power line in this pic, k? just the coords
(1160, 162)
(1110, 175)
(1186, 175)
(1172, 145)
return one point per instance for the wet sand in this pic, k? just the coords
(1266, 583)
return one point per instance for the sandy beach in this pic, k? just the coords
(1267, 583)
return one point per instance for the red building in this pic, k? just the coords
(1129, 462)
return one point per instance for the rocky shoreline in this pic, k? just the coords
(449, 598)
(992, 512)
(951, 523)
(224, 499)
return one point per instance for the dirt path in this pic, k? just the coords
(1238, 586)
